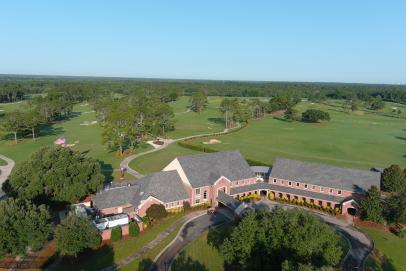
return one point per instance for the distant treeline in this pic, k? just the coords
(14, 88)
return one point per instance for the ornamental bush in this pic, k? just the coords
(133, 229)
(116, 234)
(156, 212)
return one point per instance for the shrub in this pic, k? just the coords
(186, 206)
(116, 234)
(315, 115)
(156, 212)
(133, 229)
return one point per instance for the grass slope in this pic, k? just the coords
(392, 248)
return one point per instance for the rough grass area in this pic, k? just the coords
(390, 251)
(87, 138)
(359, 140)
(110, 254)
(189, 123)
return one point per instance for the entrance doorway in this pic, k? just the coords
(352, 211)
(263, 193)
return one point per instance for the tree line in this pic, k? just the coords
(87, 87)
(390, 208)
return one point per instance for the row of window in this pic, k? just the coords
(306, 186)
(174, 204)
(197, 192)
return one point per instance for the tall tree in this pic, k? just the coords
(32, 121)
(55, 174)
(23, 225)
(371, 206)
(75, 234)
(393, 179)
(266, 239)
(394, 208)
(198, 101)
(14, 123)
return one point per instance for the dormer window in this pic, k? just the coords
(305, 186)
(290, 183)
(321, 189)
(297, 184)
(339, 192)
(274, 180)
(331, 191)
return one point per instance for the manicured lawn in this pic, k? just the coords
(109, 254)
(204, 255)
(158, 160)
(392, 248)
(87, 138)
(191, 123)
(358, 139)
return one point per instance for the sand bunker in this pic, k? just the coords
(86, 123)
(212, 142)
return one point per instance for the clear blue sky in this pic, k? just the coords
(303, 40)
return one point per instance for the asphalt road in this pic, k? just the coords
(5, 172)
(189, 232)
(360, 244)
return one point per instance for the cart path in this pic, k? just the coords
(5, 171)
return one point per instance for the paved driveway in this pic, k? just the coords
(189, 232)
(5, 171)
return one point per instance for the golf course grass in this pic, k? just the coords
(189, 123)
(84, 138)
(390, 251)
(357, 139)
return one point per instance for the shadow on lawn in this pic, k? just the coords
(183, 263)
(89, 260)
(216, 120)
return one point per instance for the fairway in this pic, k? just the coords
(189, 123)
(359, 140)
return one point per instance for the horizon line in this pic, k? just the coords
(193, 79)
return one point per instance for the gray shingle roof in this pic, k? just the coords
(355, 180)
(288, 190)
(261, 169)
(165, 186)
(205, 169)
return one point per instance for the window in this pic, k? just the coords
(205, 194)
(313, 187)
(166, 205)
(339, 192)
(197, 191)
(197, 201)
(297, 184)
(331, 190)
(282, 182)
(274, 180)
(290, 183)
(321, 189)
(305, 186)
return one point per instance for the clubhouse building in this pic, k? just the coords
(200, 179)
